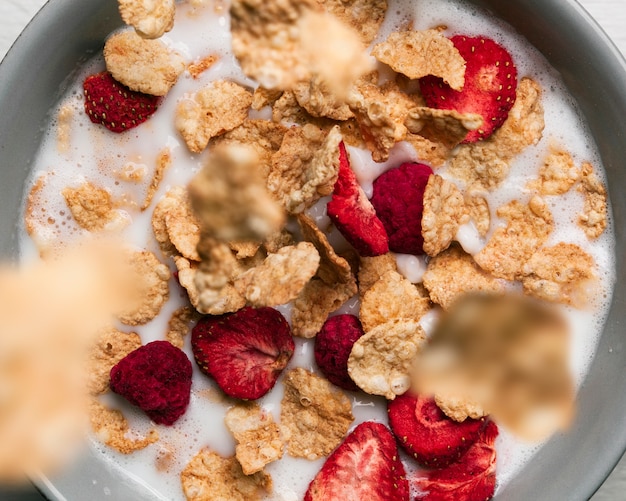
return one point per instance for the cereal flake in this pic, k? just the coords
(365, 16)
(201, 65)
(150, 19)
(445, 127)
(593, 219)
(179, 325)
(459, 409)
(91, 207)
(557, 174)
(371, 269)
(163, 162)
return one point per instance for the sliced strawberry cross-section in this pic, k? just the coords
(365, 466)
(245, 351)
(472, 478)
(114, 105)
(353, 214)
(426, 433)
(490, 85)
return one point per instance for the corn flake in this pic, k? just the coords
(315, 97)
(459, 409)
(163, 162)
(371, 270)
(445, 127)
(91, 207)
(201, 65)
(162, 208)
(150, 19)
(179, 325)
(557, 174)
(183, 228)
(315, 415)
(478, 210)
(263, 97)
(593, 219)
(365, 16)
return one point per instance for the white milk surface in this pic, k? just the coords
(96, 154)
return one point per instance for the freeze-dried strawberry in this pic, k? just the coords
(490, 85)
(332, 348)
(472, 478)
(114, 105)
(353, 213)
(399, 202)
(426, 433)
(156, 378)
(244, 351)
(365, 466)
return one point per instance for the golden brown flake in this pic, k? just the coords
(563, 273)
(180, 324)
(527, 228)
(199, 66)
(150, 19)
(444, 212)
(380, 360)
(171, 199)
(593, 219)
(111, 428)
(371, 269)
(454, 273)
(109, 348)
(315, 97)
(417, 54)
(64, 128)
(478, 209)
(459, 409)
(131, 172)
(446, 127)
(315, 415)
(557, 174)
(263, 97)
(258, 437)
(365, 16)
(147, 66)
(183, 228)
(210, 477)
(163, 162)
(427, 151)
(91, 207)
(210, 112)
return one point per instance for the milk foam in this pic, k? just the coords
(95, 154)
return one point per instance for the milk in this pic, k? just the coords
(95, 155)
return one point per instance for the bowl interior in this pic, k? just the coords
(67, 32)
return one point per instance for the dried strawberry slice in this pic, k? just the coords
(399, 202)
(333, 345)
(490, 85)
(244, 352)
(426, 433)
(353, 214)
(472, 478)
(365, 466)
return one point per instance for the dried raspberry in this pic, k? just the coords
(332, 349)
(156, 378)
(426, 433)
(399, 202)
(245, 351)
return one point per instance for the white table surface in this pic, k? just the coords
(610, 14)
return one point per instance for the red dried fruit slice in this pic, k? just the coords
(399, 202)
(156, 378)
(244, 352)
(490, 85)
(365, 466)
(332, 349)
(472, 478)
(114, 105)
(427, 434)
(353, 214)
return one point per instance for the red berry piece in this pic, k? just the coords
(472, 478)
(333, 345)
(399, 202)
(426, 433)
(114, 105)
(490, 85)
(156, 378)
(353, 214)
(365, 466)
(244, 352)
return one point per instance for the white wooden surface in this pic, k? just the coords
(610, 14)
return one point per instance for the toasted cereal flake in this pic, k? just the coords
(459, 409)
(183, 228)
(179, 325)
(230, 198)
(132, 172)
(109, 348)
(112, 429)
(150, 280)
(263, 97)
(563, 273)
(150, 18)
(187, 271)
(199, 66)
(163, 162)
(315, 97)
(447, 127)
(487, 162)
(210, 112)
(305, 168)
(593, 219)
(244, 250)
(278, 240)
(527, 229)
(478, 209)
(258, 437)
(91, 207)
(444, 212)
(171, 199)
(365, 16)
(210, 477)
(380, 360)
(147, 66)
(557, 174)
(429, 152)
(281, 277)
(420, 53)
(392, 299)
(453, 273)
(371, 269)
(315, 415)
(64, 126)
